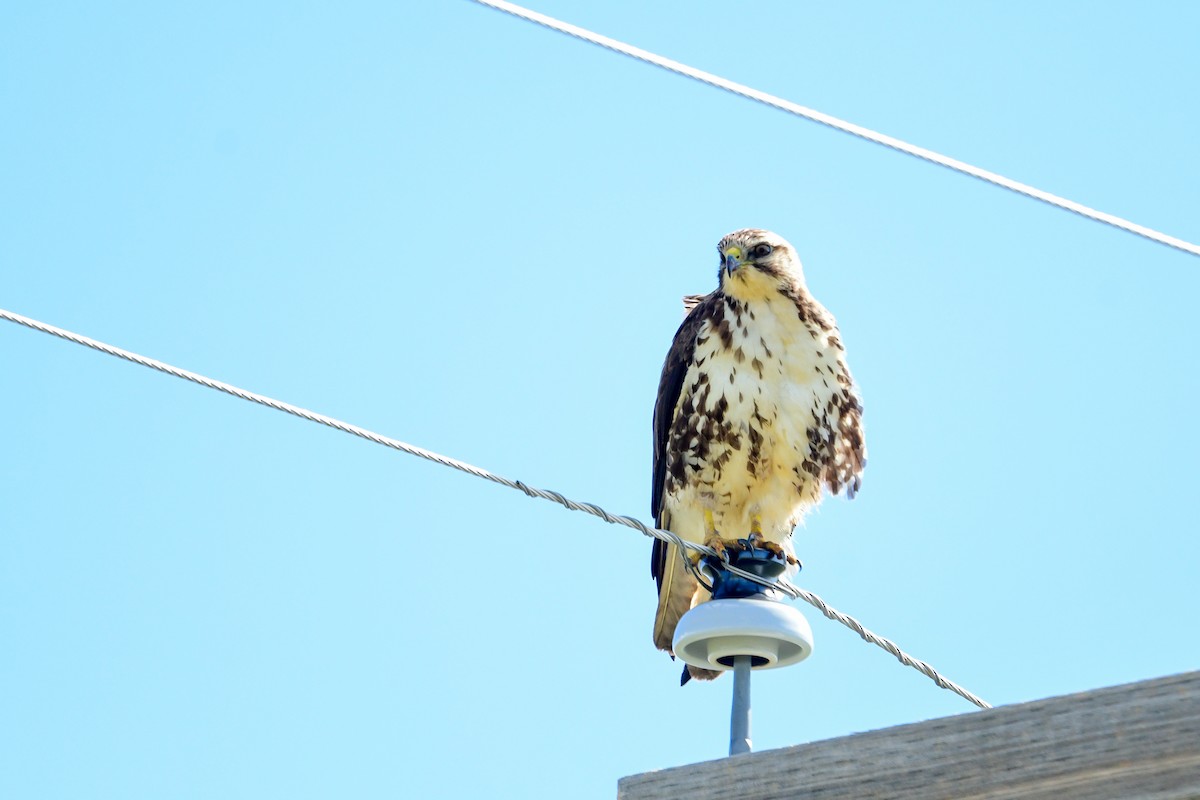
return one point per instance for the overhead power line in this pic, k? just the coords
(545, 494)
(842, 125)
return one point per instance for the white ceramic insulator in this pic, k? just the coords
(772, 633)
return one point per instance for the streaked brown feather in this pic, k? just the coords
(739, 346)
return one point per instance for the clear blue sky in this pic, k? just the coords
(472, 234)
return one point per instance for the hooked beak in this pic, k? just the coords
(733, 259)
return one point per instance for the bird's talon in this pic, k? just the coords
(774, 548)
(723, 546)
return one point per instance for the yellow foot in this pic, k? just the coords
(715, 541)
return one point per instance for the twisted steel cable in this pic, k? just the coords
(841, 125)
(479, 472)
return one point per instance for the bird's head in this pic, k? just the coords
(755, 262)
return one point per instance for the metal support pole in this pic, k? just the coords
(739, 718)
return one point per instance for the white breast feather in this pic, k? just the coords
(796, 386)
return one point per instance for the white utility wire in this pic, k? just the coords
(842, 125)
(478, 472)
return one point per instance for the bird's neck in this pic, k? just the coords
(751, 286)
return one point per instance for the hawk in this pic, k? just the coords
(757, 415)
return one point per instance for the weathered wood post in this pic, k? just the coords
(1135, 742)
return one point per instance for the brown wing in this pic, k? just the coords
(670, 385)
(846, 452)
(849, 455)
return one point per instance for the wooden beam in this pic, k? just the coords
(1135, 742)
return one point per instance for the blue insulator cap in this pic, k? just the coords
(749, 558)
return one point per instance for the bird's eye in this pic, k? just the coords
(760, 251)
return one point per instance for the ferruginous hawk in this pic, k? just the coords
(756, 416)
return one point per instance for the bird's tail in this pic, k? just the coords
(678, 592)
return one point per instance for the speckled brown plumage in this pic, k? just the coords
(757, 414)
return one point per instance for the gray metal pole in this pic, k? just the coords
(739, 718)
